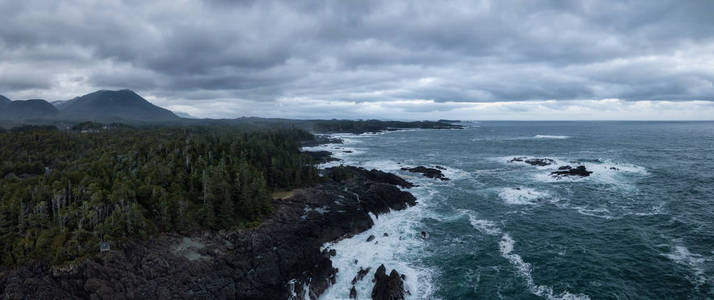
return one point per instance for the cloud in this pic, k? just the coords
(246, 57)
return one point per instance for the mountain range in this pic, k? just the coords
(102, 105)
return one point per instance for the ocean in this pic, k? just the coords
(641, 226)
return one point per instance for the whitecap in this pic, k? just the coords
(695, 262)
(399, 249)
(594, 212)
(304, 294)
(522, 195)
(523, 269)
(385, 165)
(455, 173)
(545, 136)
(344, 151)
(603, 171)
(483, 225)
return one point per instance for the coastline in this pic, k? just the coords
(283, 258)
(260, 263)
(391, 242)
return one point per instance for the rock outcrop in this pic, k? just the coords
(321, 156)
(265, 262)
(541, 162)
(387, 287)
(360, 274)
(321, 139)
(428, 172)
(570, 171)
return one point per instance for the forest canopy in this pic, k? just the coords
(62, 192)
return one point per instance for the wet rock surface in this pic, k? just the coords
(256, 263)
(541, 162)
(570, 171)
(387, 287)
(428, 172)
(321, 156)
(360, 274)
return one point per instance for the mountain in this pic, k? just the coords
(113, 105)
(27, 109)
(184, 115)
(4, 100)
(60, 104)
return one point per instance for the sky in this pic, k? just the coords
(471, 60)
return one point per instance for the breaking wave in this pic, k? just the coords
(524, 270)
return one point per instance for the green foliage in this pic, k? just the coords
(30, 128)
(61, 192)
(340, 173)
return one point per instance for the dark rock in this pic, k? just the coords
(541, 162)
(333, 252)
(428, 172)
(570, 171)
(372, 175)
(387, 287)
(440, 167)
(370, 238)
(360, 274)
(385, 234)
(347, 151)
(321, 156)
(353, 293)
(321, 140)
(389, 178)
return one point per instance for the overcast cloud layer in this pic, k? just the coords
(359, 59)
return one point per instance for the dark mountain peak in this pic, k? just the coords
(108, 92)
(126, 96)
(4, 100)
(27, 109)
(119, 104)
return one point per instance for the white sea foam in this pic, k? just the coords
(599, 212)
(695, 262)
(398, 250)
(455, 173)
(522, 195)
(657, 209)
(304, 294)
(486, 226)
(545, 136)
(343, 151)
(519, 138)
(523, 269)
(604, 171)
(385, 165)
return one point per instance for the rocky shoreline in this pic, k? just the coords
(279, 259)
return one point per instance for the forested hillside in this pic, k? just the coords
(62, 192)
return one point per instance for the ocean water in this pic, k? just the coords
(640, 227)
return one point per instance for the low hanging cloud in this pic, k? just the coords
(386, 59)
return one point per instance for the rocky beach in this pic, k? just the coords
(280, 259)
